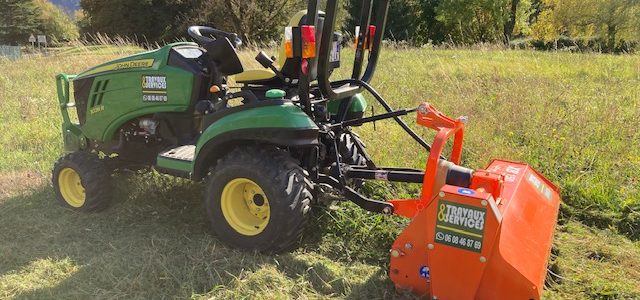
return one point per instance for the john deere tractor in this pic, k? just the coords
(268, 142)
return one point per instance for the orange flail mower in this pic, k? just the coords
(484, 234)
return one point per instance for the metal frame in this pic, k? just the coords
(343, 90)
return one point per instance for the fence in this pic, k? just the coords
(10, 52)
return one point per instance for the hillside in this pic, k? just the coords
(69, 6)
(574, 117)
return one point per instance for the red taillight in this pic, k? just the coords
(369, 37)
(308, 34)
(305, 67)
(372, 35)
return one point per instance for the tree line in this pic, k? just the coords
(19, 19)
(603, 25)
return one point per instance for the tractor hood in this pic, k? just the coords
(150, 60)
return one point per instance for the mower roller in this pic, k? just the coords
(271, 141)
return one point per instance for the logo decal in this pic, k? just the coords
(539, 185)
(132, 64)
(463, 191)
(424, 272)
(382, 175)
(97, 109)
(154, 88)
(460, 226)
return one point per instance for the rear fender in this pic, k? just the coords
(282, 124)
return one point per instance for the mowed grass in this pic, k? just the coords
(574, 117)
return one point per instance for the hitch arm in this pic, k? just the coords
(355, 197)
(360, 121)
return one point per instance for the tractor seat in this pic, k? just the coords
(255, 76)
(289, 67)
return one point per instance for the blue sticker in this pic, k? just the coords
(424, 272)
(467, 192)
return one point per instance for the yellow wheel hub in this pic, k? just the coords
(245, 206)
(71, 187)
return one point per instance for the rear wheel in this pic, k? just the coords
(351, 150)
(81, 182)
(258, 199)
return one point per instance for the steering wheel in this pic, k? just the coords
(204, 35)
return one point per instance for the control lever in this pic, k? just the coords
(267, 62)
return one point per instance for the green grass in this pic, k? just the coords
(574, 117)
(94, 50)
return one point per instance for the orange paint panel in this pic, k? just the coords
(444, 247)
(515, 241)
(530, 209)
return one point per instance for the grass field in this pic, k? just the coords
(574, 117)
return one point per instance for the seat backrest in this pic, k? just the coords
(225, 57)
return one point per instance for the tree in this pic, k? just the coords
(607, 24)
(405, 21)
(259, 19)
(614, 20)
(166, 20)
(54, 22)
(18, 20)
(68, 6)
(472, 21)
(432, 28)
(253, 21)
(511, 22)
(463, 21)
(144, 19)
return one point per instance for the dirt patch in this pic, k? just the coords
(17, 182)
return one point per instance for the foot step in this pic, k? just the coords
(184, 153)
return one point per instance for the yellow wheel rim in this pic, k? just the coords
(245, 206)
(71, 187)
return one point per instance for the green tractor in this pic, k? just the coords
(171, 109)
(281, 137)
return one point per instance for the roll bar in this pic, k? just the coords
(304, 81)
(338, 89)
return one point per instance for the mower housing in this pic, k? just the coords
(489, 238)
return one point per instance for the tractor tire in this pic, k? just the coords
(351, 154)
(258, 199)
(82, 182)
(349, 151)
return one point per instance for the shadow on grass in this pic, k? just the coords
(328, 280)
(153, 242)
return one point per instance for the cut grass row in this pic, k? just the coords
(154, 242)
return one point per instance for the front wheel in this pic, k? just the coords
(258, 199)
(82, 182)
